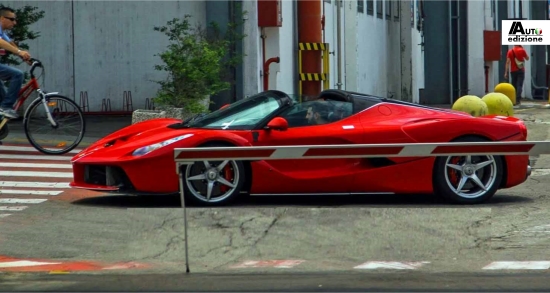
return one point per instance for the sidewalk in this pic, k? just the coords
(529, 103)
(96, 127)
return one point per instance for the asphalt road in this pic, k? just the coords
(76, 240)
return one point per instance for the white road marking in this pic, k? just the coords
(391, 265)
(33, 165)
(24, 263)
(13, 209)
(4, 215)
(540, 172)
(268, 263)
(37, 157)
(32, 192)
(518, 265)
(29, 149)
(22, 200)
(34, 184)
(37, 174)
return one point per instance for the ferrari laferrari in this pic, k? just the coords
(139, 159)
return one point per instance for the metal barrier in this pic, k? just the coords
(127, 105)
(188, 156)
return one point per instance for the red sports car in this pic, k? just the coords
(139, 159)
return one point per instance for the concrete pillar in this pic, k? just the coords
(251, 47)
(406, 51)
(349, 30)
(476, 70)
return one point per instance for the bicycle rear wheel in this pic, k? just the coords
(66, 113)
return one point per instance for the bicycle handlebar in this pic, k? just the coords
(35, 63)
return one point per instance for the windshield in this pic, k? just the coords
(244, 114)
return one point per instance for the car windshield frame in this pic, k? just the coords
(253, 109)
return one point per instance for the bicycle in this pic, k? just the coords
(53, 104)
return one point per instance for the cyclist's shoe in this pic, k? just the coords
(9, 113)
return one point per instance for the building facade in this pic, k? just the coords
(428, 52)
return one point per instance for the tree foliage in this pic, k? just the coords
(197, 61)
(21, 32)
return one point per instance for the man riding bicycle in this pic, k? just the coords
(14, 75)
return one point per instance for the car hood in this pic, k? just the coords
(126, 140)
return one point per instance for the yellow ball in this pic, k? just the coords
(507, 89)
(499, 104)
(472, 105)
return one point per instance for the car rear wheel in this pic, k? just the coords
(214, 183)
(468, 179)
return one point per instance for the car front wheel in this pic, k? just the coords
(213, 183)
(468, 179)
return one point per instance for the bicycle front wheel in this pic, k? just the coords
(54, 126)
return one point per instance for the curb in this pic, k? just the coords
(25, 141)
(533, 106)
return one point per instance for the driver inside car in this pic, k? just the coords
(317, 114)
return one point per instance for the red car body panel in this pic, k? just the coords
(385, 122)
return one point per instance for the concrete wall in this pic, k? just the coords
(104, 47)
(252, 81)
(371, 59)
(107, 47)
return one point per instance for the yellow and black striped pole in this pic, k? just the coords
(314, 76)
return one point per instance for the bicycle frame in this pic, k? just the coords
(25, 92)
(54, 105)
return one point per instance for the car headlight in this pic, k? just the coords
(147, 149)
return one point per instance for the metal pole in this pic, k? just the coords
(458, 59)
(339, 41)
(450, 52)
(182, 196)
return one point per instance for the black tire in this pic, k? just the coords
(192, 194)
(38, 102)
(444, 178)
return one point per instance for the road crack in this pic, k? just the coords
(258, 240)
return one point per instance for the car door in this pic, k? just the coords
(319, 176)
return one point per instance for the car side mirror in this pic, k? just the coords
(278, 123)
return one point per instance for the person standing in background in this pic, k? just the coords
(515, 63)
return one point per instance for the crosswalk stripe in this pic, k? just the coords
(35, 165)
(31, 192)
(6, 208)
(29, 149)
(24, 263)
(37, 174)
(36, 157)
(22, 200)
(34, 184)
(27, 164)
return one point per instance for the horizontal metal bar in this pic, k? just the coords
(362, 151)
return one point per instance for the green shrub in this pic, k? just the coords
(197, 61)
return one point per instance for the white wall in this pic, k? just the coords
(252, 81)
(330, 37)
(371, 51)
(285, 75)
(476, 70)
